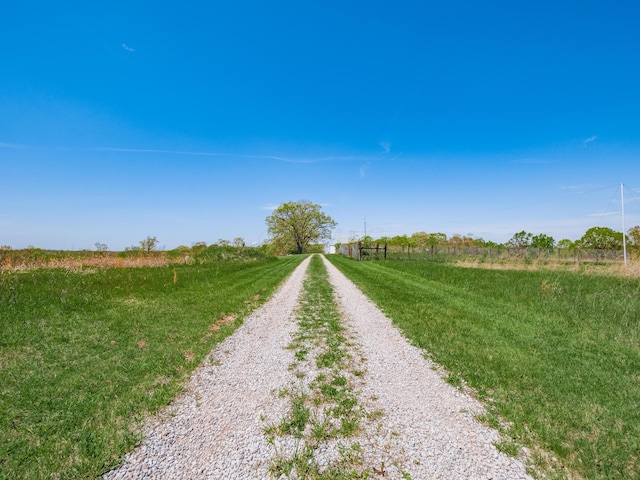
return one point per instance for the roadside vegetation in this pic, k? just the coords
(87, 354)
(554, 354)
(595, 238)
(600, 249)
(142, 255)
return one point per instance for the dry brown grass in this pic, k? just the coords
(86, 264)
(632, 269)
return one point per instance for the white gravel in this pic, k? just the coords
(215, 429)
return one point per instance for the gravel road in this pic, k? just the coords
(215, 429)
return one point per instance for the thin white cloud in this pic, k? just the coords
(585, 186)
(386, 146)
(576, 189)
(303, 160)
(590, 139)
(531, 161)
(127, 48)
(363, 170)
(181, 152)
(344, 158)
(602, 214)
(234, 155)
(269, 206)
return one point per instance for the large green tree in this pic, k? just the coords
(633, 236)
(420, 239)
(148, 244)
(601, 238)
(543, 241)
(566, 243)
(520, 240)
(299, 224)
(436, 239)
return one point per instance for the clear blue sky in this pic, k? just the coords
(189, 121)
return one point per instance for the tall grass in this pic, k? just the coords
(36, 258)
(555, 354)
(86, 355)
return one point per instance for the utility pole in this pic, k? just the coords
(624, 234)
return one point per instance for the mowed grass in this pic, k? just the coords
(84, 356)
(556, 355)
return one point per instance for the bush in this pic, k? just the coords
(217, 253)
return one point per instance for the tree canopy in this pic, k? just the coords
(633, 236)
(296, 225)
(601, 238)
(543, 240)
(520, 240)
(148, 244)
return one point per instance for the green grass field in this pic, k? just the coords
(86, 355)
(556, 355)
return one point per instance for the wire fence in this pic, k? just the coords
(361, 251)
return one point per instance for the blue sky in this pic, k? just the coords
(190, 121)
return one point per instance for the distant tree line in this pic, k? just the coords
(596, 238)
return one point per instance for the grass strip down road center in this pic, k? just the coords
(326, 411)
